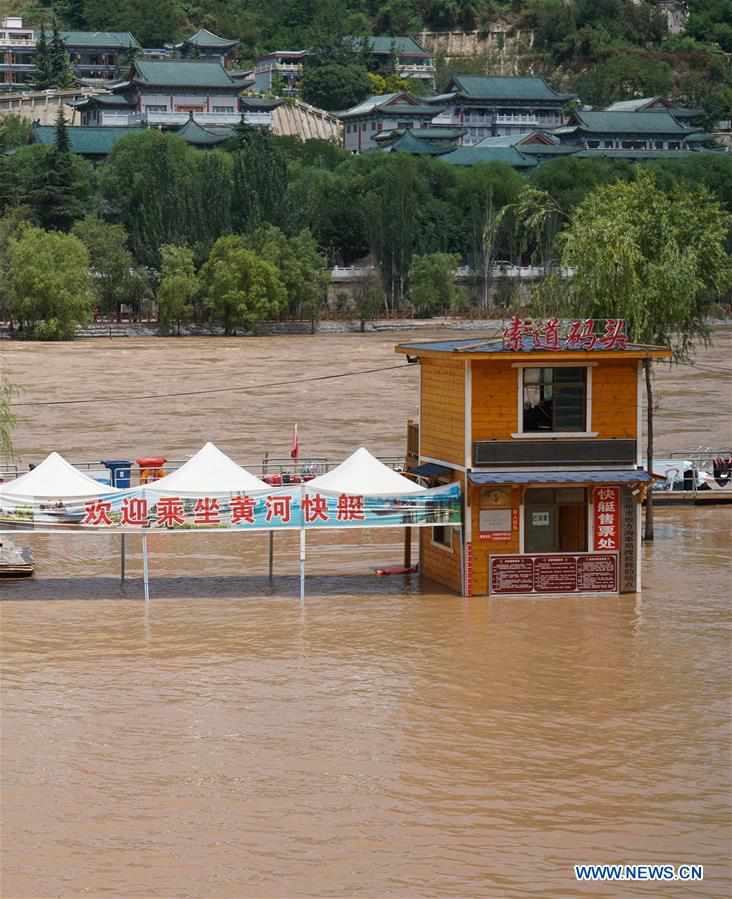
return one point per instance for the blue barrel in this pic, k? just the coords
(120, 471)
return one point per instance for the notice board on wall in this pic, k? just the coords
(554, 573)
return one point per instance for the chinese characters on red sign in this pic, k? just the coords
(207, 511)
(606, 518)
(525, 334)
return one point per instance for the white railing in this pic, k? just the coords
(516, 119)
(415, 69)
(463, 273)
(180, 118)
(16, 42)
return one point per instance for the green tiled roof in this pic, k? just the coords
(183, 74)
(119, 39)
(403, 46)
(629, 123)
(193, 133)
(410, 108)
(474, 155)
(208, 40)
(84, 140)
(411, 143)
(548, 149)
(112, 100)
(508, 87)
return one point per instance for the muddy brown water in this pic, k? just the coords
(384, 738)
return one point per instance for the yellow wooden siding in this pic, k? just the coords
(482, 550)
(442, 410)
(494, 387)
(615, 399)
(437, 562)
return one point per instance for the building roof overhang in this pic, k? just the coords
(607, 476)
(492, 350)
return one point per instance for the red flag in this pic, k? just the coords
(295, 450)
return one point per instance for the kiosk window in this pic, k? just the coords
(555, 399)
(442, 536)
(555, 521)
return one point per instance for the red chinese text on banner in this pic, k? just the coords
(314, 507)
(133, 512)
(349, 508)
(242, 509)
(170, 512)
(606, 518)
(279, 507)
(97, 513)
(206, 511)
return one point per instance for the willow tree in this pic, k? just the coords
(7, 421)
(655, 258)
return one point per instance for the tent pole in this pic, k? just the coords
(122, 559)
(145, 572)
(271, 554)
(407, 547)
(302, 564)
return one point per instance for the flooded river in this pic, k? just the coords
(383, 738)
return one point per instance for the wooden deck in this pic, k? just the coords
(693, 497)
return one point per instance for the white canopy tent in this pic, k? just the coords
(55, 478)
(208, 471)
(364, 475)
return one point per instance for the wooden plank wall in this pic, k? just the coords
(615, 398)
(442, 410)
(494, 400)
(438, 563)
(483, 549)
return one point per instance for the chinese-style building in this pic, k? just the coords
(542, 429)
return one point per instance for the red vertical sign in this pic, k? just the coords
(606, 518)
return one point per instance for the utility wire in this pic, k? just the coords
(241, 388)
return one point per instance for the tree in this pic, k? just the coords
(239, 288)
(484, 195)
(653, 258)
(111, 262)
(153, 24)
(432, 287)
(48, 283)
(259, 180)
(334, 86)
(57, 192)
(43, 77)
(61, 71)
(301, 268)
(178, 286)
(7, 420)
(14, 132)
(623, 77)
(149, 184)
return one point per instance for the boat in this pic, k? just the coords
(699, 477)
(15, 562)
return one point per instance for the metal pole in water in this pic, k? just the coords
(122, 559)
(271, 554)
(302, 564)
(145, 573)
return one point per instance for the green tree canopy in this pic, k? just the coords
(48, 283)
(654, 258)
(240, 288)
(301, 267)
(623, 77)
(334, 86)
(179, 286)
(432, 286)
(112, 265)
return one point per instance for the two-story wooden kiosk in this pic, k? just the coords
(543, 433)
